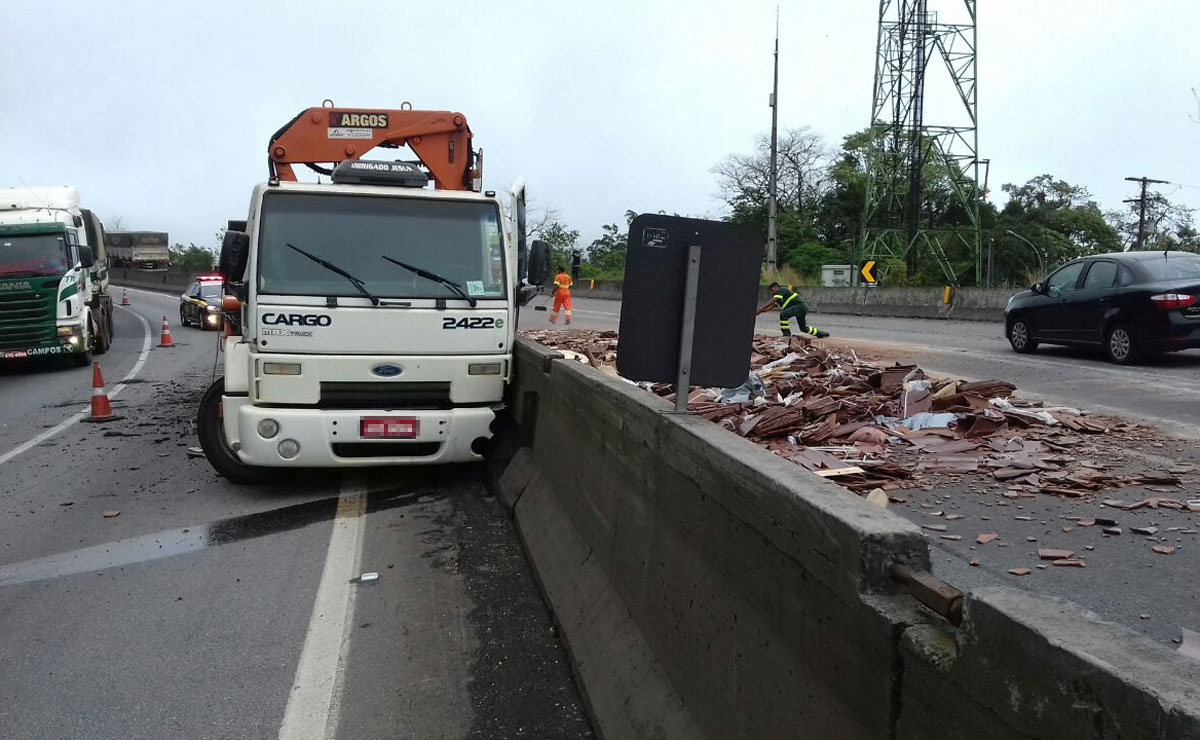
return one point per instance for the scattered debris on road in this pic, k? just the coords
(367, 577)
(867, 427)
(111, 514)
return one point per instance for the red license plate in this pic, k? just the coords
(388, 428)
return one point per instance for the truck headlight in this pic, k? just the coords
(484, 368)
(289, 448)
(281, 368)
(66, 331)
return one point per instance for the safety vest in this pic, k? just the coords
(786, 297)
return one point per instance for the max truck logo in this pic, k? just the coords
(358, 120)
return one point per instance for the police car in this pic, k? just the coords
(201, 304)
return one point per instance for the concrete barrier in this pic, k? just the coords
(166, 282)
(706, 588)
(968, 304)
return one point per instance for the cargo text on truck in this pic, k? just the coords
(371, 318)
(54, 298)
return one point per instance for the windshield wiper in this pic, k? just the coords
(334, 268)
(434, 277)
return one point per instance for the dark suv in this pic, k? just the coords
(1133, 304)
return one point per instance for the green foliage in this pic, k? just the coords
(807, 259)
(192, 258)
(606, 255)
(563, 242)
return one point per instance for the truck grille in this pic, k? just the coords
(27, 316)
(371, 395)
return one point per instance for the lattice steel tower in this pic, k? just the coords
(909, 156)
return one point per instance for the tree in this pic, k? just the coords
(607, 253)
(116, 223)
(1168, 225)
(192, 258)
(563, 241)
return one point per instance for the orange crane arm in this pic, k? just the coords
(441, 139)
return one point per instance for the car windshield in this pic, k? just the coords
(42, 254)
(459, 240)
(1171, 267)
(210, 290)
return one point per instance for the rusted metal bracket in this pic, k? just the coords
(933, 592)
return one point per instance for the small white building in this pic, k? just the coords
(837, 276)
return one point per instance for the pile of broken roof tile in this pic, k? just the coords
(870, 426)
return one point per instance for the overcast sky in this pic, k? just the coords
(160, 111)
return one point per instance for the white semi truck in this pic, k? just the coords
(54, 297)
(371, 319)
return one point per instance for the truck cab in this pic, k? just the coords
(53, 277)
(376, 318)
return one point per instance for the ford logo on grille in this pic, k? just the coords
(387, 371)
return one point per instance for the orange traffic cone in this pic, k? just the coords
(166, 335)
(124, 297)
(101, 408)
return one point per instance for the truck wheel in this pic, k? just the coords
(221, 456)
(103, 340)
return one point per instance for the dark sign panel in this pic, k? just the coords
(653, 300)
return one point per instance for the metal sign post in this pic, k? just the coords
(687, 330)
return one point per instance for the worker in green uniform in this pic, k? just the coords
(790, 306)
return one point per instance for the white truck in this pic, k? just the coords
(54, 297)
(372, 318)
(148, 251)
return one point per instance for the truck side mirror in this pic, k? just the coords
(87, 258)
(539, 262)
(235, 252)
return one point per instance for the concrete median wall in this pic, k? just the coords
(968, 304)
(706, 588)
(166, 282)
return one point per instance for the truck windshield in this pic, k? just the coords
(42, 254)
(457, 239)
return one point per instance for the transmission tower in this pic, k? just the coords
(908, 155)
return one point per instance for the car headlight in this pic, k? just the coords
(214, 308)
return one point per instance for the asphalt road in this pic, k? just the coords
(207, 610)
(1124, 581)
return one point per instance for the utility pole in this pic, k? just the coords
(772, 242)
(1141, 201)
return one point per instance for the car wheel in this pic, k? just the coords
(1120, 345)
(220, 454)
(182, 317)
(1020, 336)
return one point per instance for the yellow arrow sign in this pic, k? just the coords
(868, 271)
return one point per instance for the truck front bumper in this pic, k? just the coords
(332, 438)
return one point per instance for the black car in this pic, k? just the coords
(1133, 304)
(201, 304)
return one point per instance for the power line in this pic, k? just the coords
(1141, 201)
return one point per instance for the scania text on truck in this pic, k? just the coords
(54, 297)
(375, 315)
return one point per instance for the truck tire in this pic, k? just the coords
(211, 429)
(103, 337)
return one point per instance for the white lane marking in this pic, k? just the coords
(78, 415)
(314, 703)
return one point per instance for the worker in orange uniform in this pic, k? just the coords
(562, 295)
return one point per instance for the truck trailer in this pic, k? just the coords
(140, 250)
(372, 317)
(54, 297)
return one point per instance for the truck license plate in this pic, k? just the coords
(388, 428)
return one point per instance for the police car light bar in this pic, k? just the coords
(210, 278)
(368, 172)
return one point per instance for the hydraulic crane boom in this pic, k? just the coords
(440, 139)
